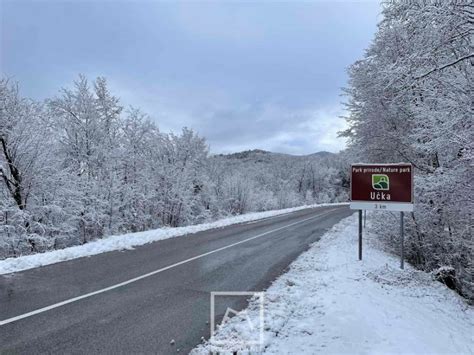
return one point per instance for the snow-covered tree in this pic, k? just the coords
(411, 99)
(78, 167)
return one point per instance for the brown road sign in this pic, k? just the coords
(382, 186)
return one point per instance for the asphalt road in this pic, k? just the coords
(173, 302)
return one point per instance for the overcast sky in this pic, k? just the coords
(245, 75)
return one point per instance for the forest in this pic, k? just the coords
(81, 166)
(411, 99)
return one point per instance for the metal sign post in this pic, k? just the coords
(360, 234)
(402, 236)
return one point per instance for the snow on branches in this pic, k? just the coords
(79, 166)
(411, 99)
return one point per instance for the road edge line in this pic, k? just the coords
(138, 278)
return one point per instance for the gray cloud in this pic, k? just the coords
(245, 75)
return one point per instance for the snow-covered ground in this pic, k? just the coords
(128, 241)
(331, 303)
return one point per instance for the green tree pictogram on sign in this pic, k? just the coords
(380, 182)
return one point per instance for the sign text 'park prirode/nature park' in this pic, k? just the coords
(382, 186)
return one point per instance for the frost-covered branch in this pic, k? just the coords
(454, 62)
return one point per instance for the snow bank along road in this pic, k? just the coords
(139, 300)
(331, 303)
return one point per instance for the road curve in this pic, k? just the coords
(137, 301)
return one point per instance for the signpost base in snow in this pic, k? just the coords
(360, 234)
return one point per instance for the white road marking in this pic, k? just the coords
(270, 217)
(87, 295)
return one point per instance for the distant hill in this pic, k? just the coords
(282, 179)
(262, 162)
(259, 155)
(322, 153)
